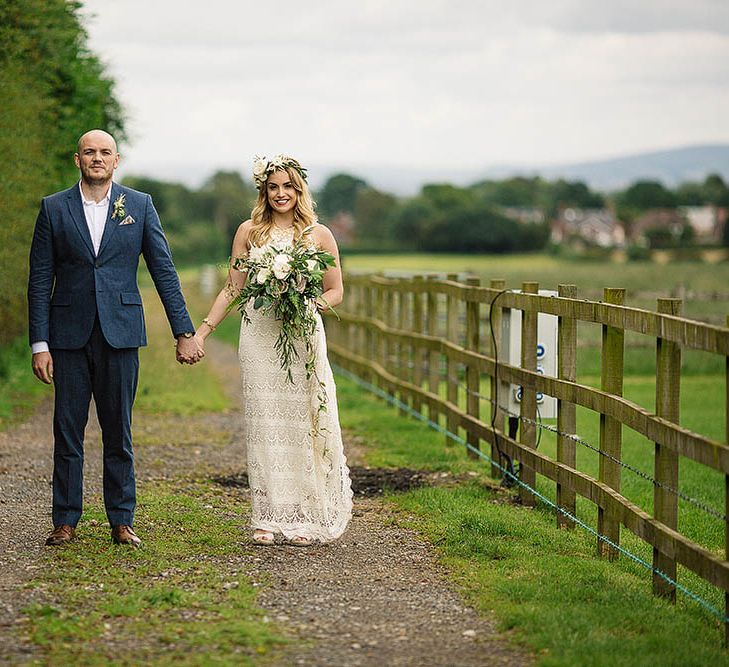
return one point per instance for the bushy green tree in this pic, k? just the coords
(175, 203)
(690, 194)
(373, 212)
(409, 222)
(644, 195)
(547, 196)
(446, 218)
(200, 224)
(227, 200)
(715, 190)
(52, 89)
(575, 194)
(339, 194)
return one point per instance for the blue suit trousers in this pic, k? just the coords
(109, 375)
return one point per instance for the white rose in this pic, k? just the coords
(312, 265)
(281, 266)
(256, 254)
(262, 276)
(259, 166)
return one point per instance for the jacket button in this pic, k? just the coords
(97, 264)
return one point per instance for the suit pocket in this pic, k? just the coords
(131, 298)
(61, 299)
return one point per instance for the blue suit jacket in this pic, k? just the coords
(69, 285)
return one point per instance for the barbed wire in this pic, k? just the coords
(575, 438)
(572, 517)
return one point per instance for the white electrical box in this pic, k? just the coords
(510, 353)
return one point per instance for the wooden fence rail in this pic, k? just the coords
(430, 342)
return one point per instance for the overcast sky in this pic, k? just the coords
(401, 83)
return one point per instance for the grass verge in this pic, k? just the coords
(20, 390)
(165, 386)
(182, 598)
(544, 584)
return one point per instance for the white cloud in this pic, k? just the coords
(405, 83)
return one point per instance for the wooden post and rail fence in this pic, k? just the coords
(430, 342)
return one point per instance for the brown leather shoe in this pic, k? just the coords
(61, 535)
(125, 535)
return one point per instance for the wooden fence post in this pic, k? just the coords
(388, 308)
(368, 312)
(497, 414)
(668, 392)
(528, 407)
(358, 335)
(380, 340)
(433, 356)
(613, 352)
(566, 411)
(417, 327)
(472, 373)
(403, 349)
(451, 368)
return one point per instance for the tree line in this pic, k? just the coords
(480, 218)
(494, 216)
(51, 85)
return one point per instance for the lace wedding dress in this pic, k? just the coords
(299, 481)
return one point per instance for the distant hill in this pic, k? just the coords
(691, 163)
(669, 166)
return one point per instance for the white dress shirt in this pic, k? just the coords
(95, 213)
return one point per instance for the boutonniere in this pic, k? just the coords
(118, 211)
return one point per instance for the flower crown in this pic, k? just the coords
(263, 168)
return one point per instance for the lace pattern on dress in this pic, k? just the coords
(299, 483)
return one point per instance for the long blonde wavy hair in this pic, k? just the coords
(262, 214)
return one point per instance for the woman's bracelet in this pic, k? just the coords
(210, 324)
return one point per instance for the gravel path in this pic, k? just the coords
(375, 597)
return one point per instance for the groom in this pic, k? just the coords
(87, 323)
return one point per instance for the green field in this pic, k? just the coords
(705, 286)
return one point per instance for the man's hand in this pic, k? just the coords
(189, 350)
(43, 366)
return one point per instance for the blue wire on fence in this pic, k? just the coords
(456, 438)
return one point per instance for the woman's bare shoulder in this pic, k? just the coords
(240, 241)
(245, 226)
(321, 232)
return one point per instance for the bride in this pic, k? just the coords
(297, 470)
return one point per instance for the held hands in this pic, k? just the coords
(190, 350)
(43, 366)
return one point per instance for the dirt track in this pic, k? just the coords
(375, 597)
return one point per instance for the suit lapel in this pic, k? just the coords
(111, 225)
(77, 214)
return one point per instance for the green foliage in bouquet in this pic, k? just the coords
(285, 280)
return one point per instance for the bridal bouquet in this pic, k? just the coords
(285, 280)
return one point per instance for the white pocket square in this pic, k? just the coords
(129, 220)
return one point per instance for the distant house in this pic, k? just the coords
(588, 227)
(668, 221)
(706, 221)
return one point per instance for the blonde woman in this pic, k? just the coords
(299, 480)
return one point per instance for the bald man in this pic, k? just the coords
(86, 324)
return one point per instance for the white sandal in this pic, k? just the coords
(262, 537)
(300, 541)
